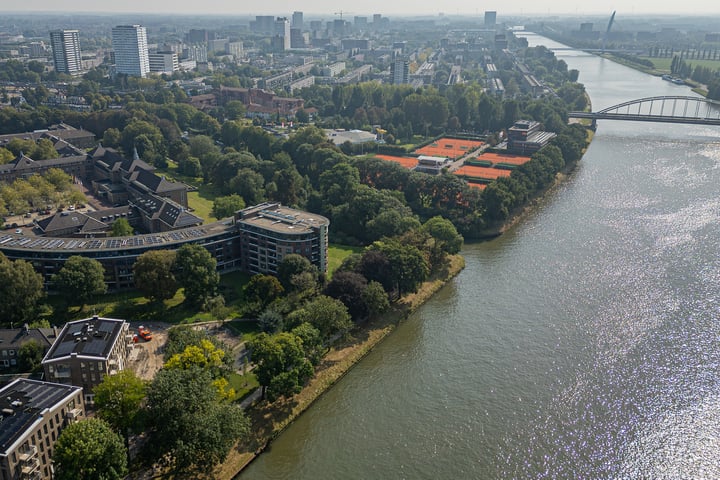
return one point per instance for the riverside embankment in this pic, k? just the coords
(270, 419)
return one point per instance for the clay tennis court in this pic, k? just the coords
(407, 162)
(449, 147)
(485, 173)
(496, 158)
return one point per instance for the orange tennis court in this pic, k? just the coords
(503, 158)
(485, 173)
(407, 162)
(450, 147)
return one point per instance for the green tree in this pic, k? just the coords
(89, 450)
(30, 356)
(375, 298)
(330, 316)
(292, 265)
(118, 401)
(121, 228)
(21, 289)
(445, 234)
(191, 425)
(270, 321)
(408, 268)
(311, 341)
(111, 138)
(262, 290)
(195, 270)
(227, 206)
(281, 365)
(80, 279)
(153, 274)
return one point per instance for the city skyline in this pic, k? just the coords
(326, 8)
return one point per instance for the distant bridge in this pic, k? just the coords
(675, 109)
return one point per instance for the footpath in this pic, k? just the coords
(269, 420)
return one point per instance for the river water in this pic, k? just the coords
(581, 344)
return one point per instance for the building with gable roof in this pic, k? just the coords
(12, 340)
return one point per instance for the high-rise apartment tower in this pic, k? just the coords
(131, 51)
(66, 51)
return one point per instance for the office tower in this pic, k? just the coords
(199, 36)
(282, 29)
(131, 52)
(361, 23)
(490, 18)
(66, 51)
(297, 20)
(262, 24)
(297, 39)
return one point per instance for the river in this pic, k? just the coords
(583, 343)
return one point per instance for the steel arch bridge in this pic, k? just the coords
(671, 109)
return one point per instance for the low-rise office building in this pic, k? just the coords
(33, 415)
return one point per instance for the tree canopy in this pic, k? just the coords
(80, 279)
(89, 450)
(195, 270)
(21, 288)
(153, 273)
(118, 400)
(191, 423)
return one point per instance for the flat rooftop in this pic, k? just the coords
(23, 402)
(277, 218)
(91, 337)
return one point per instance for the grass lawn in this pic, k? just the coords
(132, 305)
(338, 253)
(247, 330)
(200, 200)
(663, 64)
(243, 384)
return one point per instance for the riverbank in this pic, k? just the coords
(520, 213)
(269, 420)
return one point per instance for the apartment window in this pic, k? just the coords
(12, 353)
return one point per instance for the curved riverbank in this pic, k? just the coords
(520, 213)
(269, 420)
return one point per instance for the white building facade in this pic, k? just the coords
(131, 50)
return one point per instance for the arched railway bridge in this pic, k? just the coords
(668, 109)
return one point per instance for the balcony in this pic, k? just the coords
(73, 414)
(30, 467)
(28, 453)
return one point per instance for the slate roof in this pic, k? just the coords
(78, 221)
(156, 183)
(14, 338)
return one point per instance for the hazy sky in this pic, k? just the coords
(405, 8)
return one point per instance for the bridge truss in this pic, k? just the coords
(669, 109)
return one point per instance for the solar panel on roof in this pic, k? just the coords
(106, 327)
(64, 349)
(94, 346)
(75, 327)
